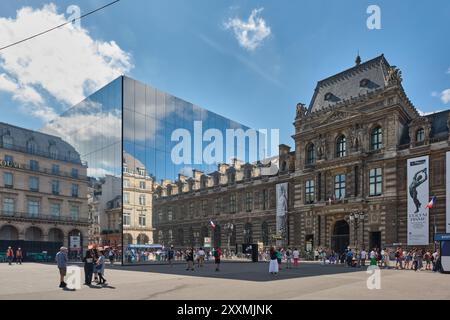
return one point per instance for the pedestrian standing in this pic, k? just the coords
(95, 255)
(273, 264)
(19, 256)
(201, 257)
(190, 259)
(363, 256)
(279, 258)
(10, 255)
(88, 267)
(295, 255)
(61, 260)
(100, 267)
(372, 257)
(434, 258)
(170, 255)
(111, 256)
(217, 254)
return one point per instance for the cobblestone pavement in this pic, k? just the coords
(233, 281)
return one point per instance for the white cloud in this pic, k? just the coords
(445, 96)
(66, 64)
(251, 33)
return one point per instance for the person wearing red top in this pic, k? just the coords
(19, 256)
(217, 254)
(10, 255)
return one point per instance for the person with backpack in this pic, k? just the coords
(19, 256)
(217, 254)
(10, 255)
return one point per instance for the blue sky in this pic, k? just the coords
(190, 49)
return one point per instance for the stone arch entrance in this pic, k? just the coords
(9, 233)
(341, 236)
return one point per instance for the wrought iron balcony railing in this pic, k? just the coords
(41, 217)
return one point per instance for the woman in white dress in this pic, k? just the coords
(273, 264)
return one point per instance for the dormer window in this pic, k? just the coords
(364, 83)
(31, 146)
(7, 141)
(53, 151)
(420, 135)
(328, 96)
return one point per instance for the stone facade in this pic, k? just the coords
(43, 188)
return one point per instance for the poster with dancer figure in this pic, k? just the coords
(282, 208)
(418, 197)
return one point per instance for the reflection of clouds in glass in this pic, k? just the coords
(100, 172)
(187, 171)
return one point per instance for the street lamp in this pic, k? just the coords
(355, 217)
(229, 227)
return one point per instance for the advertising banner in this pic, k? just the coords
(418, 198)
(282, 208)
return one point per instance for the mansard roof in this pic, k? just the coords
(358, 80)
(439, 127)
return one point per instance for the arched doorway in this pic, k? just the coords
(9, 233)
(142, 239)
(33, 234)
(55, 235)
(127, 239)
(341, 236)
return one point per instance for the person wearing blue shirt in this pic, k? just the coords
(61, 260)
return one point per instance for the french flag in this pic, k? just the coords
(212, 224)
(432, 203)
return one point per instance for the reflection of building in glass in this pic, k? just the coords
(125, 131)
(137, 197)
(43, 193)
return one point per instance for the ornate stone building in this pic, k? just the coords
(43, 192)
(352, 144)
(347, 177)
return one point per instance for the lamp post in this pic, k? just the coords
(355, 217)
(229, 227)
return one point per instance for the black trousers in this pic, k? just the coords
(88, 271)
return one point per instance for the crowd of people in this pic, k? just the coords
(406, 259)
(277, 256)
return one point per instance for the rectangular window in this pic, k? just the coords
(55, 210)
(34, 165)
(8, 207)
(233, 203)
(375, 182)
(264, 199)
(33, 208)
(126, 183)
(75, 190)
(55, 187)
(9, 159)
(126, 219)
(191, 209)
(310, 191)
(74, 213)
(33, 184)
(217, 206)
(170, 214)
(8, 180)
(55, 169)
(126, 198)
(248, 202)
(142, 220)
(74, 173)
(142, 185)
(339, 186)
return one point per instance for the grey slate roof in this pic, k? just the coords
(132, 163)
(22, 136)
(346, 84)
(439, 129)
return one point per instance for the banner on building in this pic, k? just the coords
(418, 197)
(282, 208)
(447, 191)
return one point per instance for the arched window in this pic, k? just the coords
(310, 154)
(341, 147)
(31, 147)
(248, 233)
(8, 141)
(420, 135)
(376, 138)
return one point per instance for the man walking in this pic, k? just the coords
(288, 258)
(170, 255)
(61, 260)
(363, 256)
(19, 256)
(10, 255)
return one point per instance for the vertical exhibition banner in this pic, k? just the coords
(418, 197)
(282, 208)
(447, 193)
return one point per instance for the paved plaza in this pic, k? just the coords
(235, 281)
